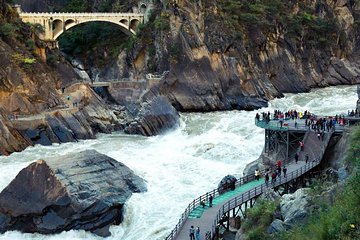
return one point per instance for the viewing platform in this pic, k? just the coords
(290, 125)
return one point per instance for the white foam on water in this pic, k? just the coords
(179, 165)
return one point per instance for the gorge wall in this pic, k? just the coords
(236, 55)
(216, 55)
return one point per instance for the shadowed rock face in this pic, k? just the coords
(85, 191)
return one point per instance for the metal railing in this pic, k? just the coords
(290, 125)
(258, 190)
(205, 197)
(235, 202)
(246, 196)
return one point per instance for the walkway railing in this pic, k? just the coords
(246, 196)
(235, 202)
(205, 197)
(258, 190)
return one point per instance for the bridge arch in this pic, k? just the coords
(59, 27)
(69, 23)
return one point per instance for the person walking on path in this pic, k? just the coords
(301, 143)
(284, 171)
(306, 158)
(257, 174)
(210, 200)
(279, 170)
(192, 233)
(273, 177)
(197, 233)
(296, 157)
(267, 179)
(278, 164)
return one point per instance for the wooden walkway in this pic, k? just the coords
(209, 217)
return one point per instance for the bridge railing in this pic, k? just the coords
(84, 14)
(205, 198)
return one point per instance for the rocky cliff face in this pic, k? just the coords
(222, 55)
(41, 101)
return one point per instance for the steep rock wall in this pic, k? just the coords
(217, 65)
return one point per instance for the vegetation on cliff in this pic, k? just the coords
(258, 219)
(303, 25)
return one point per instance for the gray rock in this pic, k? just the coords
(276, 226)
(342, 173)
(251, 167)
(154, 118)
(293, 207)
(86, 190)
(226, 184)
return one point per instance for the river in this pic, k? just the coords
(180, 165)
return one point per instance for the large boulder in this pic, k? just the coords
(276, 226)
(294, 207)
(226, 184)
(155, 116)
(86, 190)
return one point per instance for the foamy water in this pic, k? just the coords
(179, 165)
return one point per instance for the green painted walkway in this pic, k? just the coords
(197, 212)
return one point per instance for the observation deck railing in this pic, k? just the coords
(289, 124)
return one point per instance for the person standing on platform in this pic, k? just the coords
(192, 233)
(267, 179)
(197, 234)
(210, 200)
(296, 157)
(301, 143)
(257, 174)
(284, 171)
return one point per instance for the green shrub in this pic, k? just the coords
(162, 22)
(258, 219)
(30, 44)
(8, 30)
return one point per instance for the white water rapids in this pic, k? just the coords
(179, 165)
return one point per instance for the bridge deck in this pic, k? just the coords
(204, 218)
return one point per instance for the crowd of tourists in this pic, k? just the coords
(311, 121)
(272, 174)
(353, 113)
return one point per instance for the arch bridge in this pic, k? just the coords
(54, 24)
